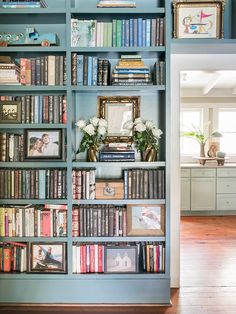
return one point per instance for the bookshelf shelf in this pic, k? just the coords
(33, 125)
(34, 49)
(34, 11)
(117, 239)
(23, 164)
(119, 164)
(120, 202)
(86, 89)
(121, 11)
(39, 89)
(32, 201)
(118, 49)
(34, 239)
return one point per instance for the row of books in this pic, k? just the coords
(144, 183)
(33, 221)
(83, 184)
(133, 32)
(13, 4)
(37, 109)
(11, 147)
(33, 184)
(89, 71)
(99, 221)
(133, 257)
(131, 70)
(9, 71)
(13, 257)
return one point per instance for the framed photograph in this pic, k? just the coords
(121, 259)
(198, 19)
(47, 257)
(147, 220)
(117, 110)
(10, 112)
(43, 144)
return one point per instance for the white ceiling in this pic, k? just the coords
(209, 81)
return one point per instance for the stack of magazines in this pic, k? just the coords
(116, 4)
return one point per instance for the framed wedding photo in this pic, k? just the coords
(10, 112)
(47, 257)
(43, 144)
(121, 259)
(145, 220)
(198, 19)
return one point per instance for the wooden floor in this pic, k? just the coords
(208, 274)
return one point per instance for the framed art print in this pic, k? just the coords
(198, 19)
(10, 112)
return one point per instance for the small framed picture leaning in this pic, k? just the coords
(43, 144)
(198, 19)
(146, 220)
(10, 112)
(47, 257)
(121, 259)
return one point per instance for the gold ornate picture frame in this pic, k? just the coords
(117, 110)
(198, 19)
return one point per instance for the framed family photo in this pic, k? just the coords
(198, 19)
(43, 144)
(121, 259)
(147, 220)
(10, 112)
(48, 257)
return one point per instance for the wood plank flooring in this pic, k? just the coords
(208, 274)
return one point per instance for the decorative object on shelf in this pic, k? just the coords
(146, 136)
(118, 110)
(45, 144)
(94, 131)
(48, 257)
(23, 4)
(145, 220)
(109, 189)
(116, 4)
(199, 136)
(198, 19)
(10, 112)
(220, 160)
(29, 38)
(121, 259)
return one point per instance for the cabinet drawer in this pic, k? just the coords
(226, 172)
(226, 201)
(197, 173)
(226, 185)
(185, 173)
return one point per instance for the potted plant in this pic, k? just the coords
(146, 137)
(94, 131)
(201, 138)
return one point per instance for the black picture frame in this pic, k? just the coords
(10, 112)
(121, 259)
(36, 149)
(47, 257)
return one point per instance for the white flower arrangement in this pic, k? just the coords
(94, 130)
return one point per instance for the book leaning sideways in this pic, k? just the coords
(116, 4)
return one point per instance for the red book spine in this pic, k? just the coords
(23, 62)
(100, 258)
(83, 259)
(45, 230)
(75, 222)
(157, 258)
(92, 259)
(7, 255)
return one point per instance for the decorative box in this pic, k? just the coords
(109, 189)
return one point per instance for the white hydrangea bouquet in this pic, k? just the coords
(146, 135)
(94, 131)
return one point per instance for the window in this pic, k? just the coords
(188, 118)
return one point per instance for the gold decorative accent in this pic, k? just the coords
(92, 154)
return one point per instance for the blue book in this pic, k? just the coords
(126, 185)
(127, 35)
(140, 32)
(122, 33)
(80, 74)
(90, 70)
(131, 32)
(148, 32)
(135, 32)
(40, 109)
(42, 184)
(144, 33)
(95, 71)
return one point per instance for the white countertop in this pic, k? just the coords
(207, 165)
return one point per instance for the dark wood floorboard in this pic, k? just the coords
(208, 274)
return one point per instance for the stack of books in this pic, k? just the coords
(9, 71)
(131, 70)
(9, 4)
(116, 4)
(110, 154)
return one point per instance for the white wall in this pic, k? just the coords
(185, 62)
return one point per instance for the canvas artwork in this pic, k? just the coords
(198, 20)
(121, 260)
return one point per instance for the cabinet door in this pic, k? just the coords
(185, 194)
(203, 193)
